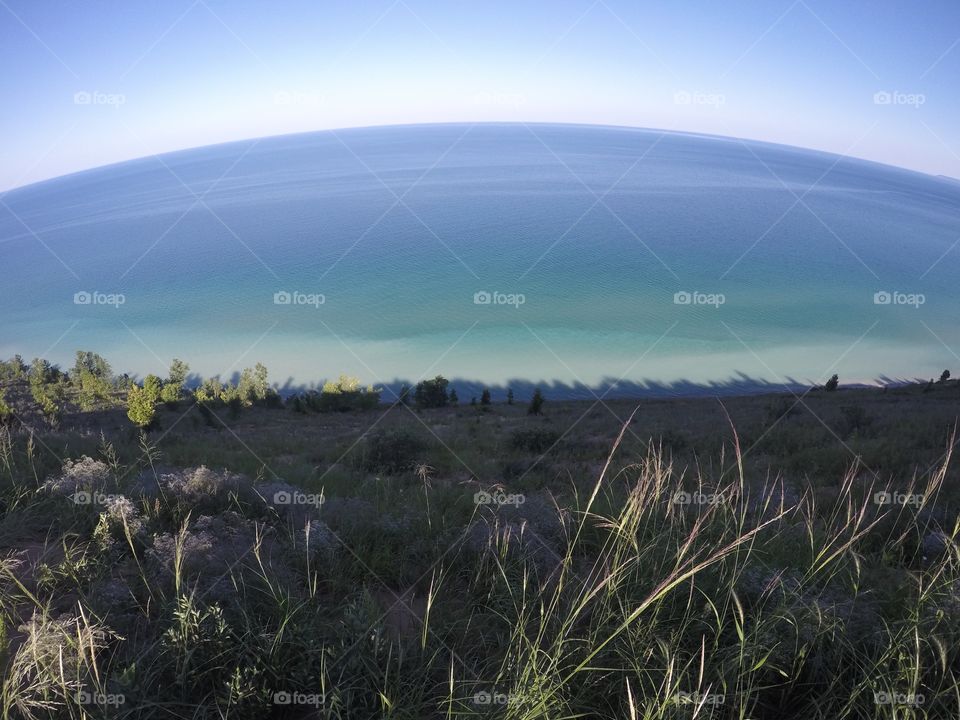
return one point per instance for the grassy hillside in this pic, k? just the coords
(764, 557)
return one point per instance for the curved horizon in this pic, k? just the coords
(519, 123)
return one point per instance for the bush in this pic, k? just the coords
(141, 405)
(6, 414)
(93, 380)
(346, 394)
(431, 393)
(46, 387)
(536, 440)
(391, 451)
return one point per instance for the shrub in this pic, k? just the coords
(391, 451)
(6, 413)
(536, 440)
(142, 401)
(210, 390)
(46, 387)
(346, 394)
(832, 384)
(93, 380)
(944, 376)
(536, 403)
(172, 392)
(432, 393)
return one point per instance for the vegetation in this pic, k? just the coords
(832, 384)
(536, 403)
(142, 402)
(432, 393)
(602, 561)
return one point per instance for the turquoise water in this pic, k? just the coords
(597, 228)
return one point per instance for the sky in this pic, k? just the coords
(90, 83)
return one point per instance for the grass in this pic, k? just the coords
(676, 559)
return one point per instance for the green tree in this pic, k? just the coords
(454, 400)
(485, 397)
(404, 397)
(944, 376)
(92, 379)
(832, 384)
(142, 402)
(46, 387)
(178, 372)
(509, 396)
(172, 392)
(536, 403)
(261, 387)
(432, 393)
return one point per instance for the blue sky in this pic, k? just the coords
(86, 84)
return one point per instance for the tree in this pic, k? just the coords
(142, 401)
(485, 397)
(509, 396)
(172, 391)
(404, 397)
(832, 384)
(261, 387)
(944, 376)
(46, 387)
(92, 378)
(210, 390)
(178, 372)
(536, 403)
(431, 393)
(346, 394)
(454, 400)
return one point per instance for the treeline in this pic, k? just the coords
(91, 385)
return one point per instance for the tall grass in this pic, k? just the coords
(651, 591)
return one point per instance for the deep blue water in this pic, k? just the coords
(598, 228)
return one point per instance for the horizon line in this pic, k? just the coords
(638, 128)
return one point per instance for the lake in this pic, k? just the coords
(491, 253)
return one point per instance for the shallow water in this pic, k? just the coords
(396, 230)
